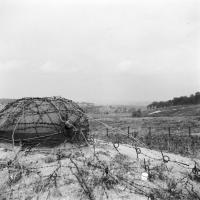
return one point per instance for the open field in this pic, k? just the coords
(174, 111)
(174, 134)
(141, 165)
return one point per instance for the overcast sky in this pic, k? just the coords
(103, 51)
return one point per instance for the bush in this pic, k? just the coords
(137, 113)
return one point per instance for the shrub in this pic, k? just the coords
(137, 113)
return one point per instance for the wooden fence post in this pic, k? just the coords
(189, 129)
(149, 136)
(128, 131)
(169, 136)
(150, 131)
(169, 131)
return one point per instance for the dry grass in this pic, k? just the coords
(178, 142)
(100, 171)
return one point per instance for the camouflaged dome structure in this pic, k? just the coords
(43, 120)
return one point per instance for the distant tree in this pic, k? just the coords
(183, 100)
(197, 98)
(137, 113)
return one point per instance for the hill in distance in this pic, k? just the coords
(172, 111)
(6, 100)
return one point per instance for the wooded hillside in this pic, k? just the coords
(193, 99)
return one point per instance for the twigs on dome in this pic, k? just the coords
(30, 117)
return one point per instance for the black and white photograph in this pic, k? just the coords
(99, 99)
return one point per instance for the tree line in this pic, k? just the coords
(193, 99)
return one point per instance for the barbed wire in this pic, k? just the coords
(106, 173)
(165, 158)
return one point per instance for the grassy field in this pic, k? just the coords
(174, 111)
(110, 165)
(174, 134)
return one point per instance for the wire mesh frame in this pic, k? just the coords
(40, 117)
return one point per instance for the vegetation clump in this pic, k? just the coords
(193, 99)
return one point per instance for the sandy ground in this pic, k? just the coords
(42, 162)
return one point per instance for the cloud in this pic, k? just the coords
(10, 65)
(54, 67)
(128, 66)
(49, 67)
(141, 67)
(125, 66)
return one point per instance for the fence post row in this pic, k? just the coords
(169, 131)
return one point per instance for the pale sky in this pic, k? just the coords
(110, 51)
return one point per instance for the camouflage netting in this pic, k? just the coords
(49, 119)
